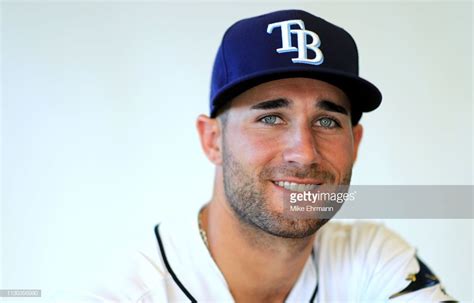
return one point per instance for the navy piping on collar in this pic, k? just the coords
(315, 292)
(168, 267)
(181, 286)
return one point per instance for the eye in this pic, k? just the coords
(271, 119)
(327, 123)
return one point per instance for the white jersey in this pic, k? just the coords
(360, 262)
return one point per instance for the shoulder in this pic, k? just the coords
(363, 238)
(135, 276)
(364, 248)
(141, 274)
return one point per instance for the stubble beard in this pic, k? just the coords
(245, 195)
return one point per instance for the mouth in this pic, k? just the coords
(295, 186)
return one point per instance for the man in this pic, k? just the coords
(286, 101)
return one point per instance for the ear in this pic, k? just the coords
(210, 136)
(357, 132)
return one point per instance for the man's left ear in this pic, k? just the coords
(357, 132)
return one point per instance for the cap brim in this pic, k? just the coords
(364, 96)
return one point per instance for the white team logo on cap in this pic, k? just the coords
(302, 48)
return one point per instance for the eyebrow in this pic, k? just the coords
(333, 107)
(281, 102)
(271, 104)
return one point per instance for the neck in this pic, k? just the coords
(258, 266)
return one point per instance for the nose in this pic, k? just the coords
(301, 146)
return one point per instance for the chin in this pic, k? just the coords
(298, 229)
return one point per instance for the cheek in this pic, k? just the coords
(255, 148)
(337, 152)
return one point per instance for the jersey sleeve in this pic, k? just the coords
(367, 262)
(424, 286)
(395, 273)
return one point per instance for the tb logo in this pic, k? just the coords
(301, 35)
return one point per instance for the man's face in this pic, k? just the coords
(284, 136)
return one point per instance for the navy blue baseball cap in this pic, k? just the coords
(289, 44)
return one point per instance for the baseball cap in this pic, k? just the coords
(289, 44)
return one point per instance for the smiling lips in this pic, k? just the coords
(293, 186)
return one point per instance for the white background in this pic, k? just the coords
(99, 101)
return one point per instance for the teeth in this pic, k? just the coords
(296, 186)
(300, 187)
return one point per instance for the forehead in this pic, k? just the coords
(299, 90)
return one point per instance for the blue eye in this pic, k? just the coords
(272, 119)
(327, 123)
